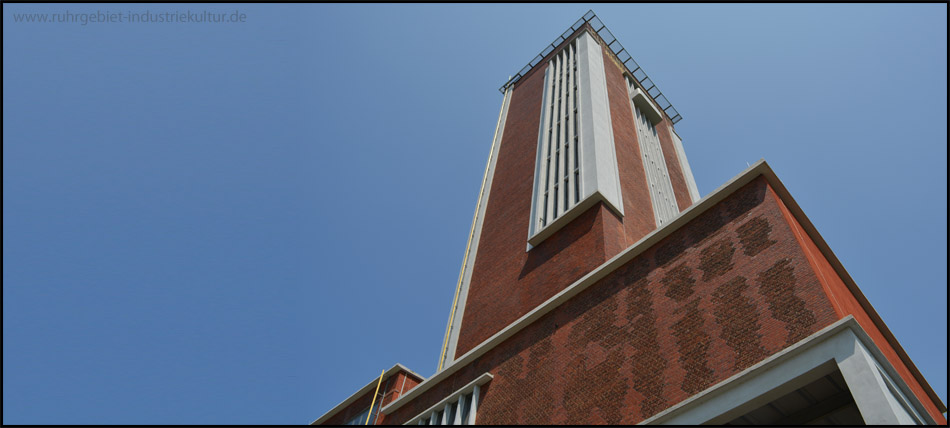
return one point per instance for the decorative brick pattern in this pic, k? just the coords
(716, 259)
(648, 364)
(754, 236)
(627, 347)
(669, 249)
(679, 283)
(778, 287)
(693, 342)
(739, 318)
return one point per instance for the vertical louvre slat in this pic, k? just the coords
(552, 190)
(562, 111)
(472, 414)
(571, 105)
(545, 148)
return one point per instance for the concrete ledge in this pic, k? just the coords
(569, 216)
(641, 100)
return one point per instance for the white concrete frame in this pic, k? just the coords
(879, 392)
(599, 173)
(455, 323)
(446, 403)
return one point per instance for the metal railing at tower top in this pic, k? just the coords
(614, 45)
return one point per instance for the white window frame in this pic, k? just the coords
(445, 404)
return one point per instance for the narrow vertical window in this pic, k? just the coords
(654, 164)
(575, 162)
(559, 172)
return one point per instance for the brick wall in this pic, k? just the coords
(508, 282)
(723, 292)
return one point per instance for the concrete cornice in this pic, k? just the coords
(362, 391)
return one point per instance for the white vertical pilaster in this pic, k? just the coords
(684, 165)
(598, 154)
(472, 413)
(478, 220)
(457, 420)
(869, 390)
(561, 131)
(571, 105)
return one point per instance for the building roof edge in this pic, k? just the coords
(359, 393)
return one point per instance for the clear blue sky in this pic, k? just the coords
(246, 222)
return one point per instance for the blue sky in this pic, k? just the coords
(245, 222)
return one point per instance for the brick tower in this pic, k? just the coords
(597, 287)
(585, 162)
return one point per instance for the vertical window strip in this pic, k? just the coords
(573, 172)
(546, 147)
(562, 112)
(661, 188)
(552, 184)
(559, 188)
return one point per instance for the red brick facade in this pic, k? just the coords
(718, 295)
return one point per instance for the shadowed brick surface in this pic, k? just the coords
(716, 259)
(754, 236)
(778, 287)
(739, 319)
